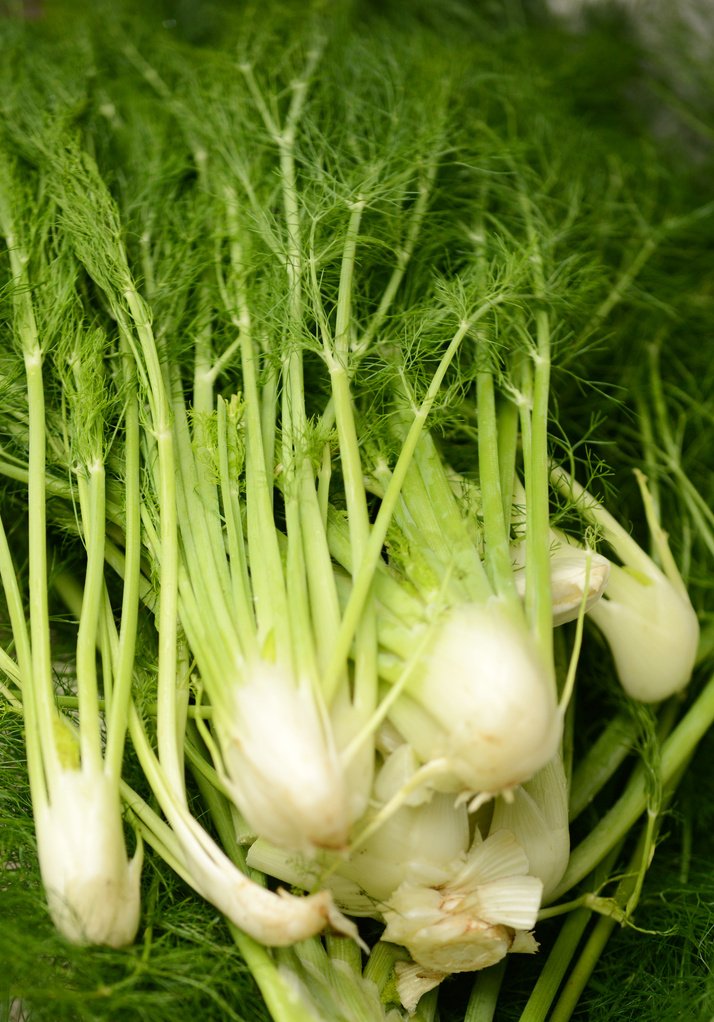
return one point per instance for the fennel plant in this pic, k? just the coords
(343, 279)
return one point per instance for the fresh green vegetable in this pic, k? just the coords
(296, 311)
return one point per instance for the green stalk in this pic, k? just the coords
(203, 373)
(91, 496)
(36, 663)
(121, 695)
(167, 619)
(373, 550)
(462, 556)
(16, 611)
(484, 993)
(496, 527)
(551, 976)
(507, 432)
(295, 567)
(245, 620)
(324, 603)
(624, 813)
(365, 636)
(267, 577)
(626, 897)
(600, 762)
(41, 688)
(538, 597)
(279, 995)
(202, 540)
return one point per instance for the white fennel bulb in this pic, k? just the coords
(481, 700)
(455, 905)
(92, 887)
(645, 615)
(422, 836)
(282, 769)
(483, 911)
(652, 631)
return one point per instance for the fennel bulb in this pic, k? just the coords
(646, 614)
(281, 766)
(652, 630)
(471, 920)
(418, 837)
(92, 888)
(456, 905)
(484, 703)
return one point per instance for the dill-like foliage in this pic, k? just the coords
(490, 110)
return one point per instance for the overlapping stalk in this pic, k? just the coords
(350, 641)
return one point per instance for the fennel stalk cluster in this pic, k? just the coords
(282, 328)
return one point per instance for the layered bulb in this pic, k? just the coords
(480, 701)
(652, 630)
(92, 887)
(456, 901)
(281, 766)
(483, 908)
(646, 615)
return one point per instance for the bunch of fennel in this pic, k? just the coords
(265, 507)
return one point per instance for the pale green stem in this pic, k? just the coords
(569, 683)
(507, 431)
(16, 610)
(627, 549)
(373, 550)
(624, 813)
(201, 532)
(12, 699)
(268, 405)
(37, 666)
(8, 665)
(380, 964)
(626, 897)
(547, 984)
(600, 762)
(365, 636)
(42, 688)
(338, 365)
(496, 528)
(304, 659)
(484, 993)
(267, 579)
(539, 608)
(167, 620)
(91, 496)
(435, 520)
(279, 995)
(203, 374)
(266, 566)
(131, 576)
(155, 832)
(245, 620)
